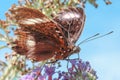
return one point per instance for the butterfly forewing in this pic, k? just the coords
(34, 20)
(39, 38)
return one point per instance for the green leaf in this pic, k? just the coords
(3, 39)
(2, 63)
(93, 2)
(1, 47)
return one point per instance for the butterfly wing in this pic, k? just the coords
(33, 20)
(39, 37)
(37, 47)
(72, 22)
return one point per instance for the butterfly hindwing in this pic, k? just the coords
(72, 22)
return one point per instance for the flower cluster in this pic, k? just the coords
(76, 70)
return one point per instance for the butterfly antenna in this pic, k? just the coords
(96, 36)
(88, 38)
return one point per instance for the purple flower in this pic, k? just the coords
(76, 70)
(49, 70)
(27, 77)
(41, 78)
(73, 61)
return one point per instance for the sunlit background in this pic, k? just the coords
(102, 53)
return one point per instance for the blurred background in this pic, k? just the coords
(103, 53)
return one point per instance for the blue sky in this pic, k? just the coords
(102, 53)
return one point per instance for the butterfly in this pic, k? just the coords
(40, 38)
